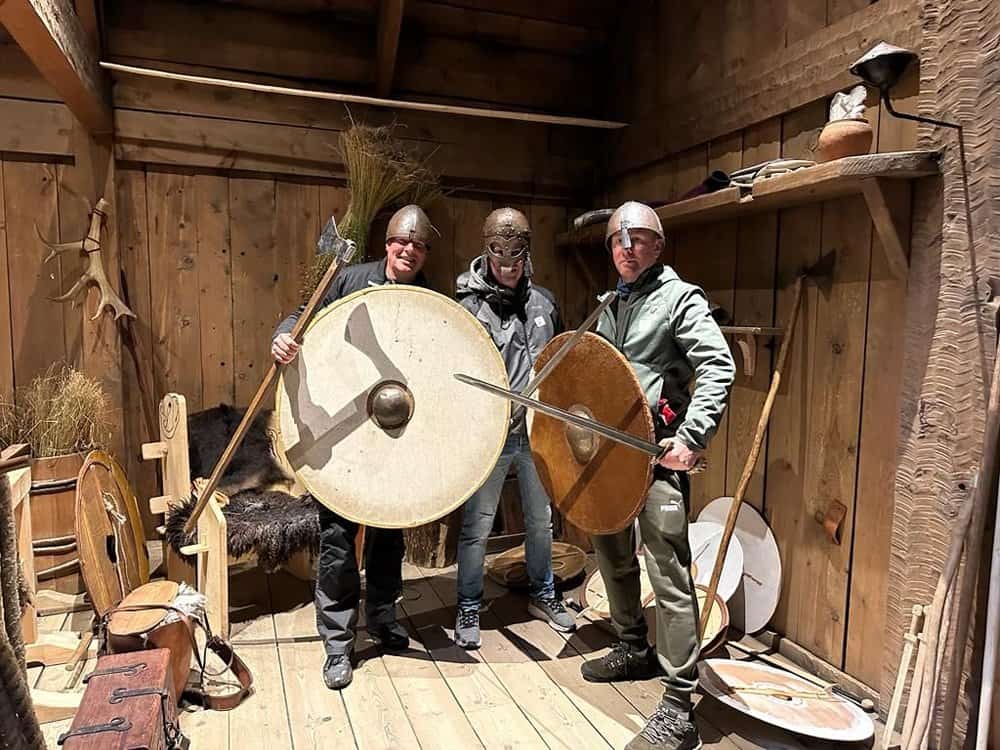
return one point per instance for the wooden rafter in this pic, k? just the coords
(53, 37)
(390, 19)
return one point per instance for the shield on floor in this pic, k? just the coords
(372, 421)
(597, 484)
(784, 700)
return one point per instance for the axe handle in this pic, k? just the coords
(272, 374)
(751, 462)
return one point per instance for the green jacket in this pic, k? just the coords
(665, 330)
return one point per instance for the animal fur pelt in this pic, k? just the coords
(273, 524)
(255, 465)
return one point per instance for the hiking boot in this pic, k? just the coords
(621, 663)
(669, 728)
(467, 629)
(337, 672)
(552, 610)
(391, 636)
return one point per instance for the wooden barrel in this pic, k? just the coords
(53, 534)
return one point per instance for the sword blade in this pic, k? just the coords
(563, 350)
(650, 449)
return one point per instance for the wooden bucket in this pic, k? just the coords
(53, 533)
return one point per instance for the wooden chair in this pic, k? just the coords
(210, 574)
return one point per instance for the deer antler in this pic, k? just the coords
(94, 273)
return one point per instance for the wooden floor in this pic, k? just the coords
(522, 689)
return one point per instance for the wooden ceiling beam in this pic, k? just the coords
(390, 20)
(53, 37)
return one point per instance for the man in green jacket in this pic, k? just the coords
(664, 328)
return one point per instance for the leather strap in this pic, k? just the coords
(234, 664)
(217, 646)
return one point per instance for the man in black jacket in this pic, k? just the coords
(338, 582)
(521, 317)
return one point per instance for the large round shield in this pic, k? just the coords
(597, 484)
(372, 421)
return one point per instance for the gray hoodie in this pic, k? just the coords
(520, 321)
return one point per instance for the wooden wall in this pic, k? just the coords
(832, 435)
(168, 123)
(48, 169)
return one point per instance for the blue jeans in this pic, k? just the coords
(477, 522)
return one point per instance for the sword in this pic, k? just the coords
(650, 449)
(563, 350)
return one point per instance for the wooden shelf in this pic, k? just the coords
(869, 175)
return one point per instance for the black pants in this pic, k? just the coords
(338, 582)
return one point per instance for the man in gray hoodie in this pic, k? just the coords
(521, 317)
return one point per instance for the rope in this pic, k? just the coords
(17, 714)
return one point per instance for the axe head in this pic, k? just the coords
(331, 243)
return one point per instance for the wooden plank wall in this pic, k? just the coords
(832, 434)
(46, 181)
(164, 122)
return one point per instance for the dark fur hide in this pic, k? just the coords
(254, 465)
(273, 524)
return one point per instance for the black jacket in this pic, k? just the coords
(350, 280)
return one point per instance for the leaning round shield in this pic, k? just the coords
(372, 420)
(597, 484)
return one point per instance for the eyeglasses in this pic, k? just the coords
(404, 241)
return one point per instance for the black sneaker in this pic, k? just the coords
(552, 611)
(668, 728)
(391, 636)
(338, 672)
(467, 629)
(621, 663)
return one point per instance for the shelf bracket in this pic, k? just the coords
(746, 342)
(882, 195)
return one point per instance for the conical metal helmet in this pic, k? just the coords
(507, 236)
(632, 215)
(411, 223)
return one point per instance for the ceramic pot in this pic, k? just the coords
(842, 138)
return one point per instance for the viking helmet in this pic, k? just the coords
(507, 238)
(632, 215)
(411, 223)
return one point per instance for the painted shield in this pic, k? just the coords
(597, 484)
(372, 421)
(783, 700)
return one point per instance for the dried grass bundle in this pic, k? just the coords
(62, 411)
(380, 173)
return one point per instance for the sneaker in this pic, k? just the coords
(467, 629)
(621, 663)
(554, 612)
(338, 672)
(391, 636)
(668, 728)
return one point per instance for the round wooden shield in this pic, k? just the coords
(109, 534)
(704, 538)
(595, 598)
(509, 569)
(756, 598)
(718, 620)
(597, 484)
(783, 700)
(372, 420)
